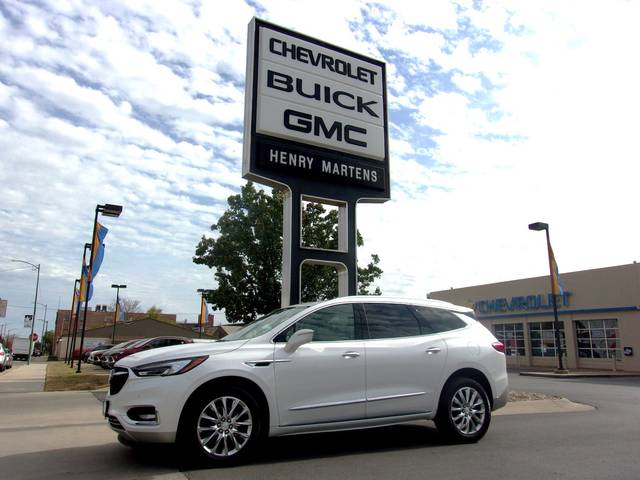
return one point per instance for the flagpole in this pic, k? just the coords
(79, 303)
(73, 307)
(556, 323)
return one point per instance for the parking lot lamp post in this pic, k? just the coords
(115, 314)
(538, 226)
(35, 303)
(107, 210)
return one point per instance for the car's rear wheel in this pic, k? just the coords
(464, 412)
(222, 426)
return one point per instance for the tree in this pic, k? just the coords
(129, 305)
(247, 255)
(154, 312)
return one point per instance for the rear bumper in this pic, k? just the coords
(501, 400)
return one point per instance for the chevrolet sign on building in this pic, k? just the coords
(599, 316)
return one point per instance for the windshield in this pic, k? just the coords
(264, 324)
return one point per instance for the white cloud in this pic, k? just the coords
(534, 106)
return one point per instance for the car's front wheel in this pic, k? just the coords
(222, 426)
(464, 412)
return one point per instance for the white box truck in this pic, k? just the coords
(20, 348)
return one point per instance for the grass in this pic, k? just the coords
(61, 377)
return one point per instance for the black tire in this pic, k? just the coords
(2, 368)
(464, 411)
(244, 423)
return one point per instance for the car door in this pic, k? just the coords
(324, 380)
(404, 363)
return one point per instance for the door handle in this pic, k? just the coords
(432, 350)
(351, 354)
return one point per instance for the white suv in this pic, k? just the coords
(347, 363)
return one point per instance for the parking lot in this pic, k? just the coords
(62, 435)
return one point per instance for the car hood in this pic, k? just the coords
(179, 351)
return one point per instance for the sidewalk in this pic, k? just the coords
(558, 405)
(575, 373)
(24, 379)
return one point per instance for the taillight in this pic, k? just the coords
(498, 346)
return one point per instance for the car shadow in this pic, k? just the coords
(106, 461)
(354, 442)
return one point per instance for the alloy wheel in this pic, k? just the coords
(224, 426)
(468, 410)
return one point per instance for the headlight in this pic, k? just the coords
(168, 367)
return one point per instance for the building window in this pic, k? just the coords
(598, 338)
(543, 339)
(512, 335)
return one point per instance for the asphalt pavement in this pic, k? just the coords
(62, 435)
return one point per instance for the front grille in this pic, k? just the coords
(117, 379)
(115, 423)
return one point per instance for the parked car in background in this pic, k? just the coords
(6, 359)
(348, 363)
(104, 356)
(145, 344)
(94, 354)
(20, 348)
(85, 351)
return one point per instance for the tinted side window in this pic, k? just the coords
(390, 321)
(330, 324)
(435, 320)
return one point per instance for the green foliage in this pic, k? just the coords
(247, 255)
(154, 312)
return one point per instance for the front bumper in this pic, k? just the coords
(166, 398)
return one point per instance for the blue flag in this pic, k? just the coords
(97, 249)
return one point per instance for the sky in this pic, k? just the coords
(501, 113)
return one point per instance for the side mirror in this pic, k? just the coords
(297, 339)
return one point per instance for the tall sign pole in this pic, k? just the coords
(316, 127)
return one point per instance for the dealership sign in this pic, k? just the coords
(521, 303)
(315, 112)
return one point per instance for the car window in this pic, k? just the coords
(386, 320)
(264, 324)
(331, 324)
(437, 320)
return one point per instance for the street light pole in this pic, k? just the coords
(35, 303)
(115, 314)
(109, 211)
(44, 326)
(537, 226)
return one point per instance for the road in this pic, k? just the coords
(61, 435)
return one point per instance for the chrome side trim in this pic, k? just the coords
(402, 395)
(329, 404)
(265, 363)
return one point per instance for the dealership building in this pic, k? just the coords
(599, 315)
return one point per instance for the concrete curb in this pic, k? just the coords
(579, 374)
(527, 407)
